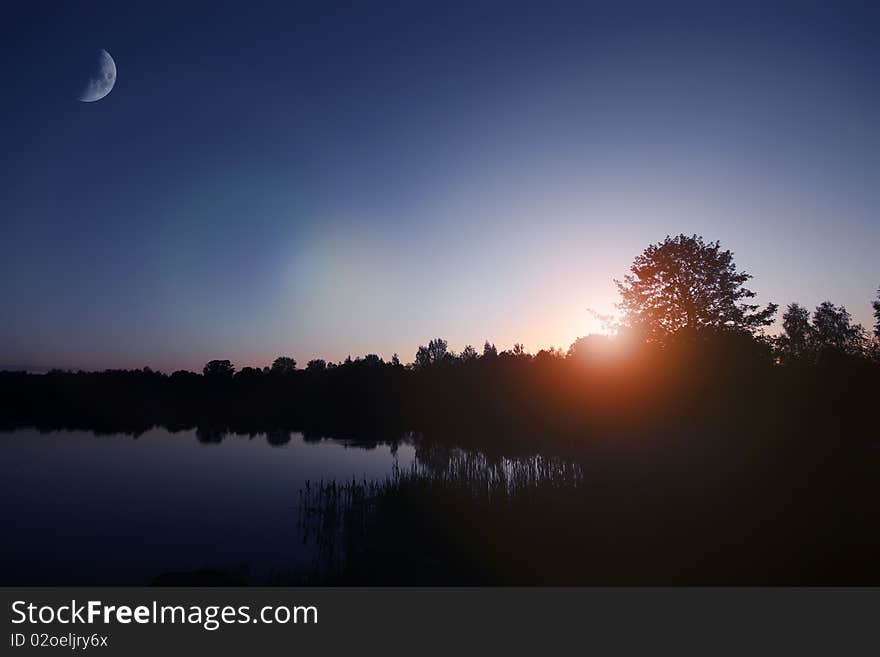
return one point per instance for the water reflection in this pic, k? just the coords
(206, 506)
(492, 475)
(116, 510)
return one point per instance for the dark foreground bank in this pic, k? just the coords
(704, 463)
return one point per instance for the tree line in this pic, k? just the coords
(682, 288)
(691, 345)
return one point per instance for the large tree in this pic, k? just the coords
(686, 283)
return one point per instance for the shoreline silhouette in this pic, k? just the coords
(690, 355)
(707, 452)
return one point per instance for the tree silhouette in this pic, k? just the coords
(489, 350)
(833, 330)
(218, 369)
(796, 341)
(435, 353)
(468, 354)
(876, 306)
(283, 365)
(685, 283)
(316, 365)
(248, 373)
(373, 360)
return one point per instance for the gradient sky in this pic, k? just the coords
(326, 179)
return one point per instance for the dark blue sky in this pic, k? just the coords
(340, 178)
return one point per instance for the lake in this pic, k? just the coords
(86, 509)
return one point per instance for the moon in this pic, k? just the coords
(102, 79)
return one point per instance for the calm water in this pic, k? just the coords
(84, 509)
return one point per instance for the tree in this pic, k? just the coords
(423, 357)
(248, 373)
(316, 365)
(833, 330)
(549, 355)
(467, 354)
(435, 353)
(489, 350)
(218, 369)
(685, 283)
(796, 342)
(283, 365)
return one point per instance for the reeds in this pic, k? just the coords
(341, 517)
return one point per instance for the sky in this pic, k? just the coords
(326, 179)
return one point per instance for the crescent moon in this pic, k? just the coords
(100, 84)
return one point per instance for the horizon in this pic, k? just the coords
(319, 182)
